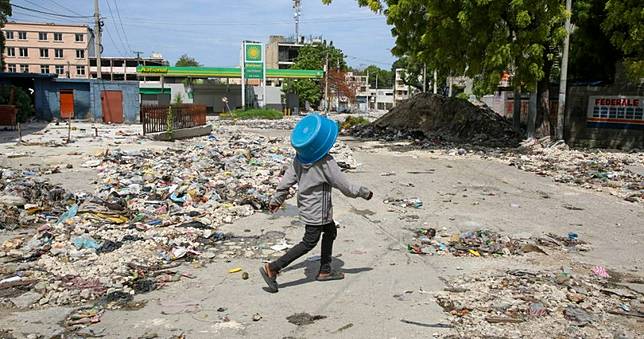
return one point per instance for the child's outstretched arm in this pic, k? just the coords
(338, 180)
(288, 180)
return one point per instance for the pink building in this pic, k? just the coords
(47, 48)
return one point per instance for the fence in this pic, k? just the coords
(8, 115)
(155, 118)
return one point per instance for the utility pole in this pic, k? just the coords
(435, 81)
(563, 83)
(424, 78)
(297, 11)
(97, 39)
(326, 84)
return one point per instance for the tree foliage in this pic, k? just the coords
(592, 56)
(480, 39)
(624, 24)
(314, 57)
(385, 78)
(5, 11)
(187, 61)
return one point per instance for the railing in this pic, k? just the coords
(155, 118)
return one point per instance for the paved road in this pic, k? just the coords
(383, 283)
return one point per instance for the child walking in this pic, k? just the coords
(315, 172)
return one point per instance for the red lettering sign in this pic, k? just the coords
(616, 102)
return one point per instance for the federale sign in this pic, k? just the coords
(616, 111)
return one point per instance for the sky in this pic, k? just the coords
(211, 30)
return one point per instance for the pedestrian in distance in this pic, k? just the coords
(315, 172)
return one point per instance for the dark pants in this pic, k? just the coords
(311, 238)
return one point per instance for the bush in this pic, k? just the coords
(253, 113)
(21, 100)
(353, 121)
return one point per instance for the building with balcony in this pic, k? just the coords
(124, 68)
(48, 49)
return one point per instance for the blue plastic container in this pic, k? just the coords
(313, 137)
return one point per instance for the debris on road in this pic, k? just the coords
(405, 202)
(437, 118)
(484, 243)
(151, 211)
(501, 304)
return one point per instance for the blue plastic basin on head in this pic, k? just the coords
(313, 137)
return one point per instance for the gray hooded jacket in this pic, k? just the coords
(314, 189)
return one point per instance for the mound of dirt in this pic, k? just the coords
(445, 119)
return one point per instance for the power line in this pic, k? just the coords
(38, 5)
(63, 7)
(52, 14)
(118, 13)
(118, 33)
(46, 19)
(109, 35)
(140, 21)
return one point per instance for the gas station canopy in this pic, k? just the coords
(222, 72)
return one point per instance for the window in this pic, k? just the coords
(58, 36)
(11, 51)
(42, 36)
(58, 53)
(80, 54)
(60, 69)
(79, 37)
(44, 53)
(22, 35)
(80, 70)
(24, 68)
(11, 68)
(24, 52)
(8, 35)
(44, 68)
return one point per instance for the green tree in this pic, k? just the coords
(592, 56)
(187, 61)
(384, 77)
(5, 11)
(314, 56)
(481, 39)
(624, 24)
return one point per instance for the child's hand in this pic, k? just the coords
(272, 207)
(370, 195)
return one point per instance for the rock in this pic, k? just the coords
(40, 286)
(12, 200)
(26, 299)
(86, 294)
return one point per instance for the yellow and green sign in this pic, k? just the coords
(254, 53)
(253, 60)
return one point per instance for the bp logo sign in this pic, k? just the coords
(253, 60)
(254, 53)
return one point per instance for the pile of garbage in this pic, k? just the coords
(546, 304)
(483, 243)
(286, 123)
(592, 169)
(27, 200)
(441, 119)
(151, 211)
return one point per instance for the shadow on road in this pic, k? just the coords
(311, 271)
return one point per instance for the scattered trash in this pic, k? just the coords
(245, 275)
(235, 270)
(408, 202)
(345, 327)
(301, 319)
(257, 317)
(85, 242)
(600, 271)
(438, 325)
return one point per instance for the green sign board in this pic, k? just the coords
(254, 53)
(254, 71)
